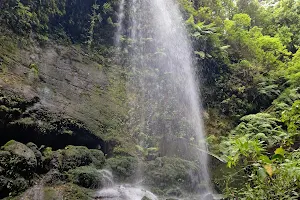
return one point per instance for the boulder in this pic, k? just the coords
(123, 167)
(86, 176)
(12, 186)
(37, 153)
(22, 159)
(167, 173)
(4, 191)
(72, 157)
(54, 177)
(4, 160)
(76, 156)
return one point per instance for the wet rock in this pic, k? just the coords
(98, 158)
(72, 157)
(54, 177)
(88, 177)
(17, 186)
(124, 192)
(76, 156)
(167, 173)
(13, 164)
(76, 87)
(208, 197)
(4, 191)
(122, 167)
(4, 160)
(22, 159)
(37, 153)
(12, 186)
(176, 192)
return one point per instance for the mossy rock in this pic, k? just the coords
(4, 191)
(123, 168)
(88, 177)
(37, 153)
(22, 159)
(72, 157)
(76, 156)
(67, 191)
(17, 186)
(98, 158)
(54, 177)
(4, 160)
(58, 192)
(167, 173)
(12, 187)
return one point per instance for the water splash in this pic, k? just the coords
(107, 178)
(165, 110)
(112, 191)
(120, 24)
(122, 192)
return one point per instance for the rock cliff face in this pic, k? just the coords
(76, 92)
(69, 106)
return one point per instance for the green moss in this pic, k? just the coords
(50, 194)
(166, 173)
(67, 191)
(98, 158)
(86, 176)
(48, 152)
(11, 142)
(34, 68)
(74, 192)
(123, 168)
(22, 160)
(74, 156)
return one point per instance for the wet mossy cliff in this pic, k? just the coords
(57, 95)
(62, 99)
(61, 107)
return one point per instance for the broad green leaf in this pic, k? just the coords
(280, 151)
(265, 159)
(277, 156)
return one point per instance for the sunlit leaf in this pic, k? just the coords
(280, 151)
(269, 169)
(265, 159)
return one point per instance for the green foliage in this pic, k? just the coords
(263, 149)
(291, 117)
(242, 20)
(243, 149)
(66, 19)
(272, 180)
(262, 126)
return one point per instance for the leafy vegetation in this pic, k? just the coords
(250, 63)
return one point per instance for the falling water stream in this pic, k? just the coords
(165, 110)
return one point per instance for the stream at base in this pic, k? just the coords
(128, 192)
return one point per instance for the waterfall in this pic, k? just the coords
(165, 110)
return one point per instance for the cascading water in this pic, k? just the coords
(165, 113)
